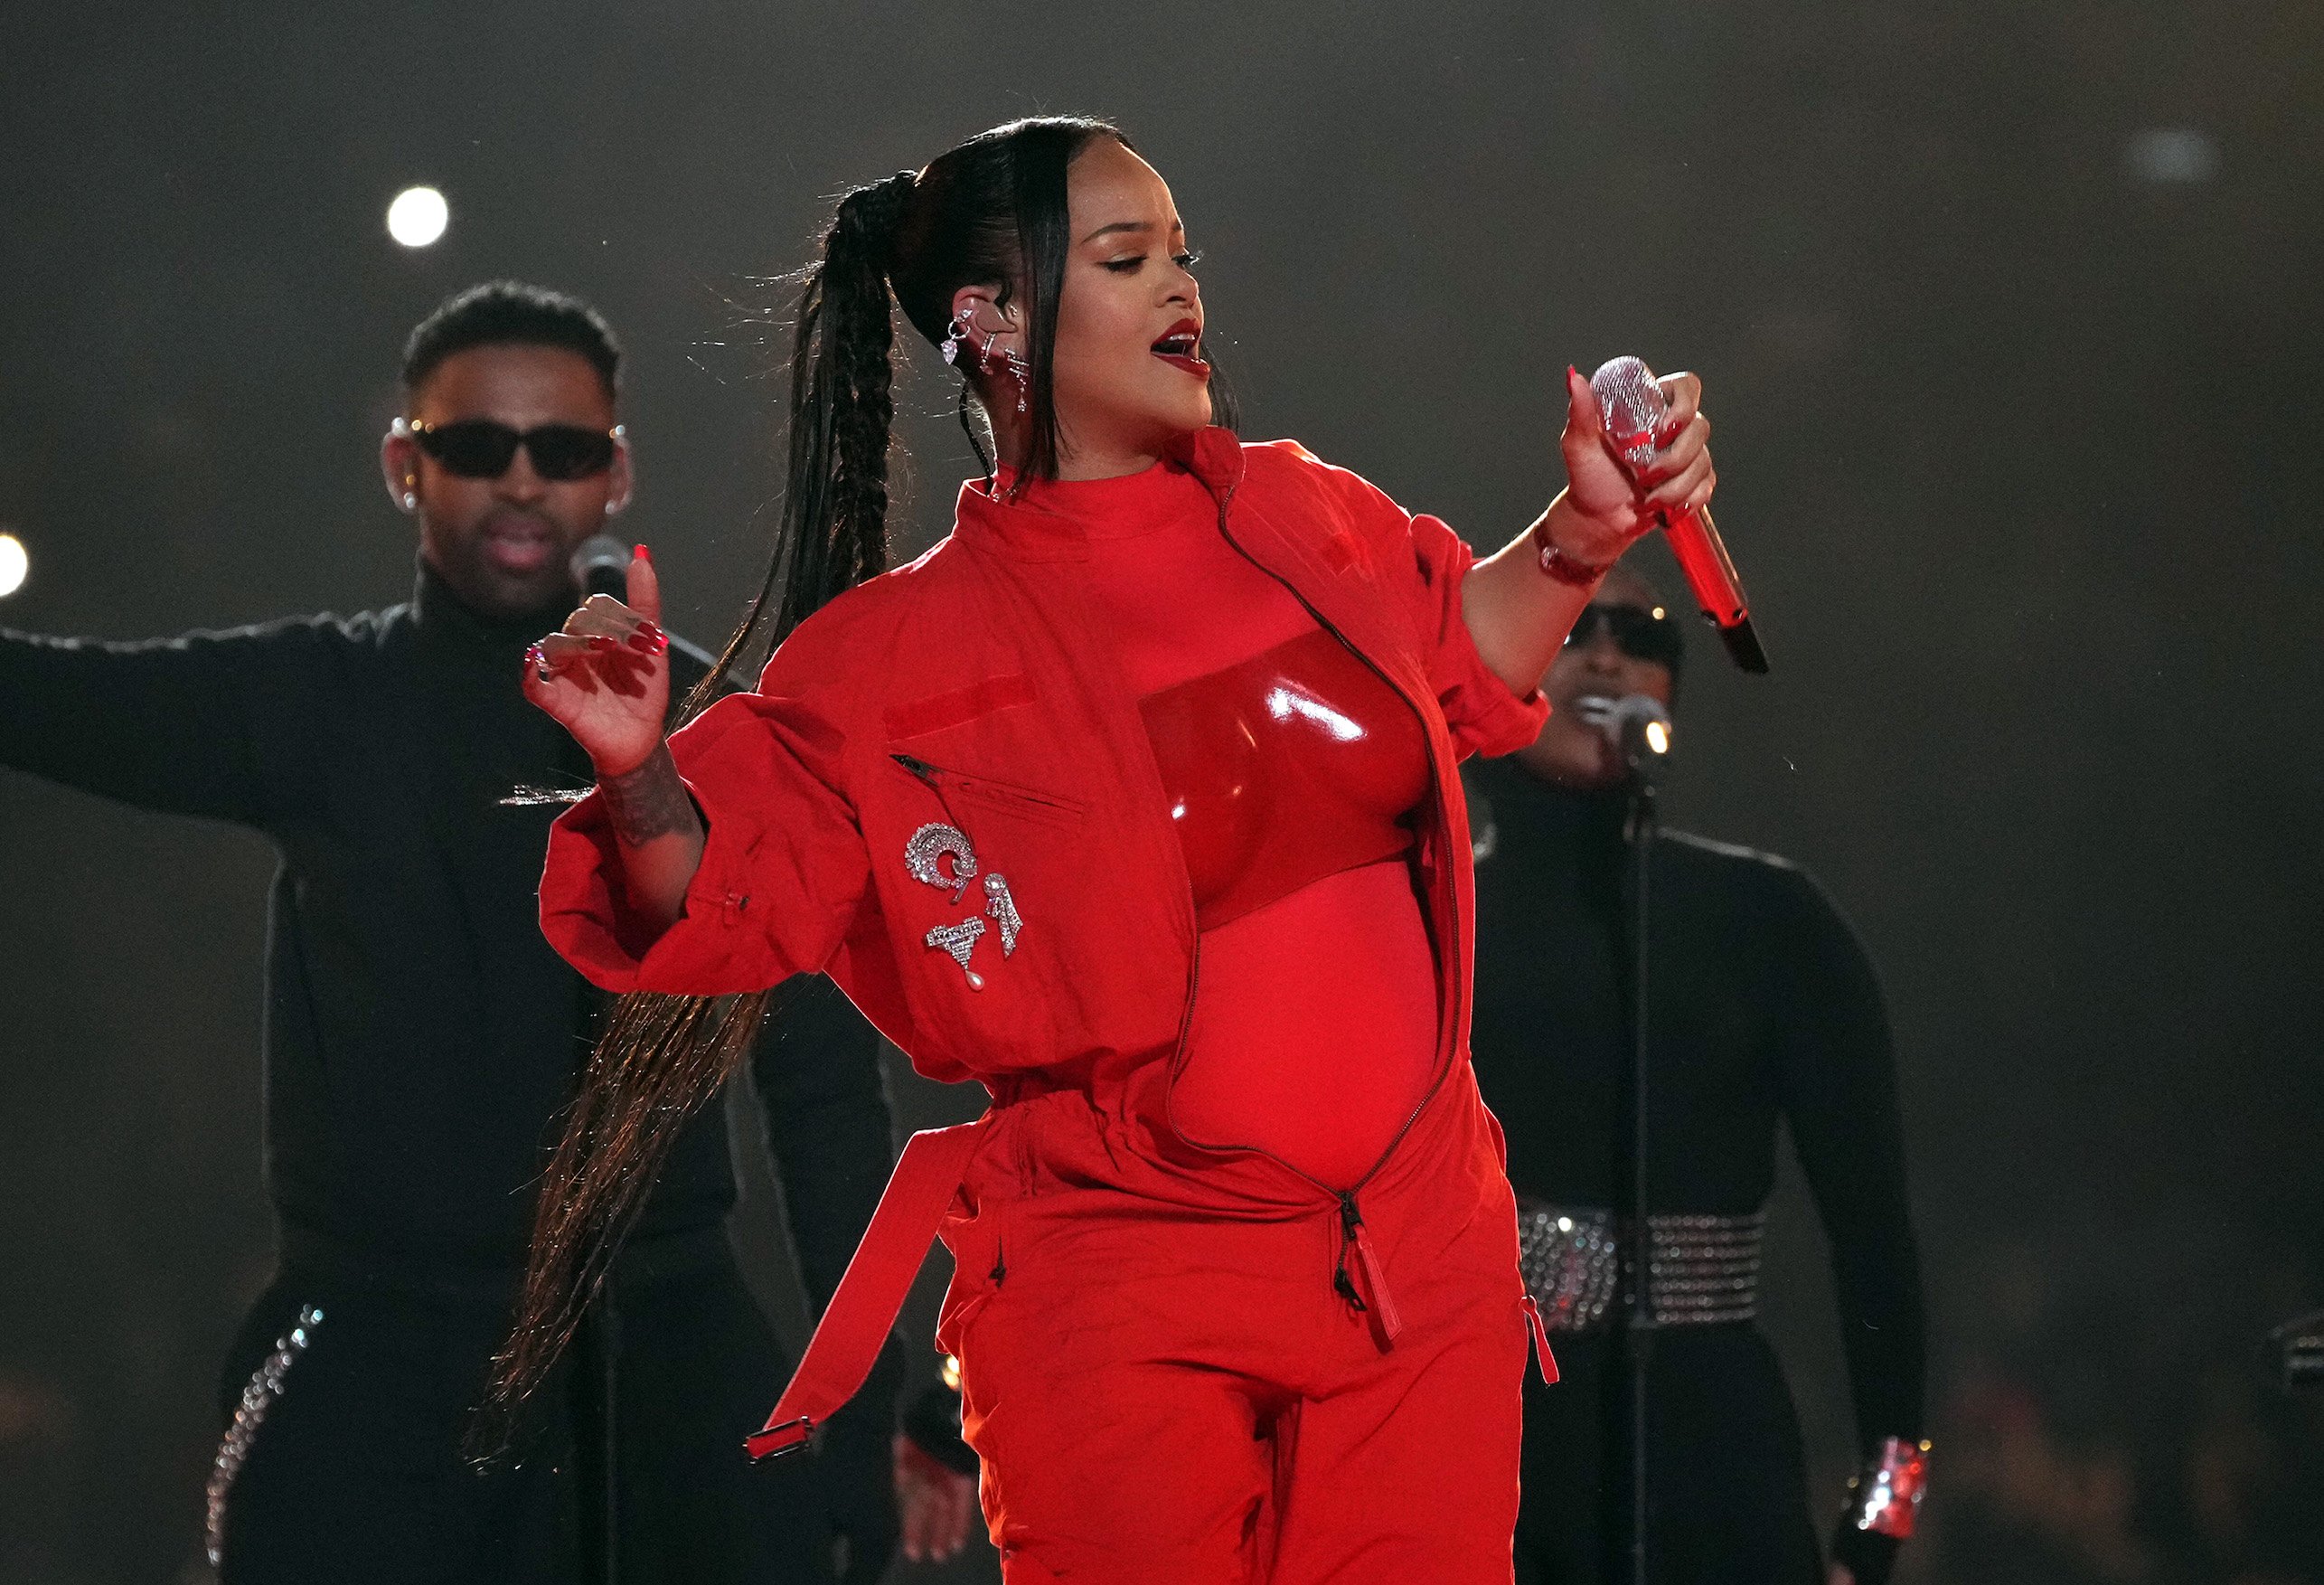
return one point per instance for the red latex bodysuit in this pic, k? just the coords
(1293, 774)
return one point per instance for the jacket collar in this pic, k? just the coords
(1028, 532)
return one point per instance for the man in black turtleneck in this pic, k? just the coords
(1762, 1008)
(421, 1038)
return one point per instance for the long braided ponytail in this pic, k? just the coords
(990, 212)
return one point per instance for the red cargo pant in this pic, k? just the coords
(1160, 1394)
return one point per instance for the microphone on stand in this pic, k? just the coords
(1634, 407)
(601, 566)
(1637, 726)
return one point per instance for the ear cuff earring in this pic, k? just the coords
(994, 352)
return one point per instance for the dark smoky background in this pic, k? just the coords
(2008, 313)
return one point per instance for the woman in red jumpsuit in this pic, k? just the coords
(1135, 800)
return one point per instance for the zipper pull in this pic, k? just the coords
(1341, 1282)
(1391, 1322)
(919, 768)
(1351, 1226)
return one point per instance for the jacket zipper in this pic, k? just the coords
(985, 789)
(934, 778)
(1353, 1239)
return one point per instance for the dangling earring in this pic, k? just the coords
(1013, 361)
(955, 336)
(1021, 373)
(411, 496)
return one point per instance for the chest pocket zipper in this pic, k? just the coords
(1007, 797)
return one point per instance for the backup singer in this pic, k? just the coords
(1762, 1010)
(421, 1040)
(1136, 799)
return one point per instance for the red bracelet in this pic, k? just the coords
(1565, 569)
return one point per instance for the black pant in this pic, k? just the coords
(1726, 1488)
(354, 1472)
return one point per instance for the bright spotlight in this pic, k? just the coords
(417, 216)
(13, 564)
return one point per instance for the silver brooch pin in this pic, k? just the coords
(960, 940)
(1002, 909)
(924, 854)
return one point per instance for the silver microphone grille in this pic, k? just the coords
(1634, 407)
(600, 565)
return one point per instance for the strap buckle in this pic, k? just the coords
(786, 1437)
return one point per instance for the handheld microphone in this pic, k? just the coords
(601, 566)
(1637, 726)
(1633, 408)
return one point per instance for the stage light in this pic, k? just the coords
(2171, 156)
(1658, 737)
(13, 564)
(417, 216)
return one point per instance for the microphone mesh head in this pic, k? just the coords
(600, 565)
(1634, 407)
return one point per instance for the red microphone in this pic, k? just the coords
(1633, 409)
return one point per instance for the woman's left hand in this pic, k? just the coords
(1609, 507)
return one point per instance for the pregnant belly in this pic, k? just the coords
(1314, 1031)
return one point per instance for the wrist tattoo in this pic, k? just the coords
(649, 801)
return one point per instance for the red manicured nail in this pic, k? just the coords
(644, 554)
(642, 642)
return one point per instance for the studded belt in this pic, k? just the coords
(1704, 1270)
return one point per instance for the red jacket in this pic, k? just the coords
(973, 689)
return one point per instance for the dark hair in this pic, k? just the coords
(509, 313)
(990, 212)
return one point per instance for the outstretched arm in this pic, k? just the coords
(167, 725)
(1519, 610)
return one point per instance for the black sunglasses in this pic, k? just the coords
(479, 448)
(1638, 633)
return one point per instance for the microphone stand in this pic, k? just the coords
(1640, 1325)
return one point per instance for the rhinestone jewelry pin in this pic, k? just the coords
(960, 940)
(1002, 909)
(925, 849)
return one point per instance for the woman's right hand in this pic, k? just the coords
(606, 674)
